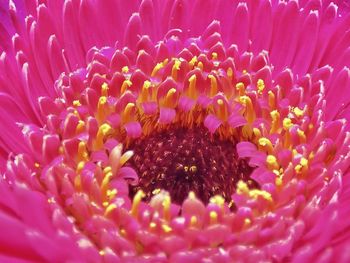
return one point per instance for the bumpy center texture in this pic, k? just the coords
(181, 160)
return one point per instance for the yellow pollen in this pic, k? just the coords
(136, 202)
(80, 127)
(125, 69)
(193, 62)
(152, 225)
(170, 99)
(107, 169)
(256, 193)
(37, 165)
(111, 193)
(200, 65)
(51, 200)
(76, 103)
(156, 191)
(302, 167)
(126, 84)
(275, 125)
(242, 188)
(276, 172)
(301, 135)
(260, 86)
(102, 100)
(193, 221)
(102, 110)
(145, 91)
(213, 217)
(80, 167)
(265, 144)
(298, 112)
(278, 181)
(175, 69)
(166, 228)
(102, 252)
(257, 132)
(244, 71)
(214, 55)
(109, 209)
(287, 123)
(247, 221)
(213, 86)
(249, 109)
(304, 162)
(240, 88)
(271, 162)
(222, 110)
(218, 200)
(157, 68)
(104, 89)
(192, 86)
(82, 152)
(129, 112)
(105, 182)
(104, 131)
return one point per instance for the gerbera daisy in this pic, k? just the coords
(174, 131)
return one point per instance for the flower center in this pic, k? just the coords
(181, 160)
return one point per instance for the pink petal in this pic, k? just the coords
(212, 123)
(166, 115)
(133, 129)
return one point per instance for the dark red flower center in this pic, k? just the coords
(180, 160)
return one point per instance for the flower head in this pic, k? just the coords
(175, 131)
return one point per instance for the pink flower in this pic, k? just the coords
(174, 131)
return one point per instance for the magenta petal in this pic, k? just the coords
(240, 27)
(246, 149)
(285, 38)
(236, 120)
(149, 19)
(13, 241)
(129, 175)
(72, 40)
(166, 115)
(262, 21)
(307, 43)
(338, 92)
(149, 107)
(133, 31)
(212, 123)
(11, 138)
(133, 129)
(186, 103)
